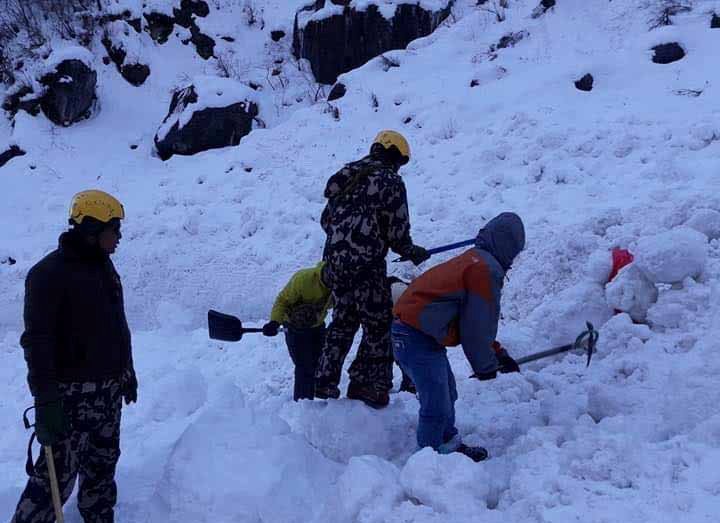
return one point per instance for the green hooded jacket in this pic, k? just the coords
(305, 300)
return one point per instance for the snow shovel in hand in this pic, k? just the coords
(586, 341)
(225, 327)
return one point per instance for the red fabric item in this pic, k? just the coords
(620, 258)
(497, 347)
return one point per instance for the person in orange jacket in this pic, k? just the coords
(456, 303)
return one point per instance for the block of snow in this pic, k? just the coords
(465, 483)
(599, 266)
(707, 222)
(632, 292)
(672, 256)
(368, 489)
(562, 317)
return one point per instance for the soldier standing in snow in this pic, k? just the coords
(78, 351)
(365, 216)
(456, 302)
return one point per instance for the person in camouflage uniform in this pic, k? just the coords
(78, 351)
(365, 216)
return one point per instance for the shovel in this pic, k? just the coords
(225, 327)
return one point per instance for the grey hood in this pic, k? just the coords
(503, 237)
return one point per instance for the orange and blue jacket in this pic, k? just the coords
(458, 302)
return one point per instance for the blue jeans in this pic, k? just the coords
(425, 361)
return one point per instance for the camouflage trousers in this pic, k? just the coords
(368, 304)
(90, 452)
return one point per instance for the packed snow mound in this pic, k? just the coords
(632, 292)
(707, 222)
(563, 316)
(252, 467)
(672, 256)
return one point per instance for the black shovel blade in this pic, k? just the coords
(224, 327)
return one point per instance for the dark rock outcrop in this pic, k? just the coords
(204, 45)
(134, 72)
(188, 8)
(715, 21)
(160, 26)
(277, 35)
(208, 128)
(542, 8)
(70, 92)
(22, 98)
(13, 152)
(585, 83)
(337, 92)
(342, 42)
(668, 53)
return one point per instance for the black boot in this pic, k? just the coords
(406, 385)
(369, 395)
(477, 454)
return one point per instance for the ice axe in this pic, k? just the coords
(586, 340)
(442, 248)
(225, 327)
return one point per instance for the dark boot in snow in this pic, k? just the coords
(477, 454)
(326, 391)
(406, 385)
(368, 395)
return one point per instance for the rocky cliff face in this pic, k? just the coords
(337, 37)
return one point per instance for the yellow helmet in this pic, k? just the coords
(96, 204)
(389, 138)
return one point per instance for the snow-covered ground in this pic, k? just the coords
(215, 435)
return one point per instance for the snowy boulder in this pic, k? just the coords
(204, 45)
(208, 114)
(542, 8)
(338, 36)
(69, 83)
(561, 318)
(707, 222)
(585, 83)
(668, 53)
(12, 152)
(135, 74)
(672, 256)
(159, 26)
(117, 42)
(632, 292)
(338, 91)
(189, 8)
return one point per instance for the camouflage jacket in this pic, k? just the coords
(366, 214)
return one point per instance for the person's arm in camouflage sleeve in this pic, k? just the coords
(398, 216)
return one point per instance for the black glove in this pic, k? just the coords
(507, 364)
(417, 254)
(51, 423)
(271, 328)
(129, 387)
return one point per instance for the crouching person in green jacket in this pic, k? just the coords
(301, 307)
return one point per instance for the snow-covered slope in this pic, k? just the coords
(216, 437)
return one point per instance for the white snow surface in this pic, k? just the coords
(215, 435)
